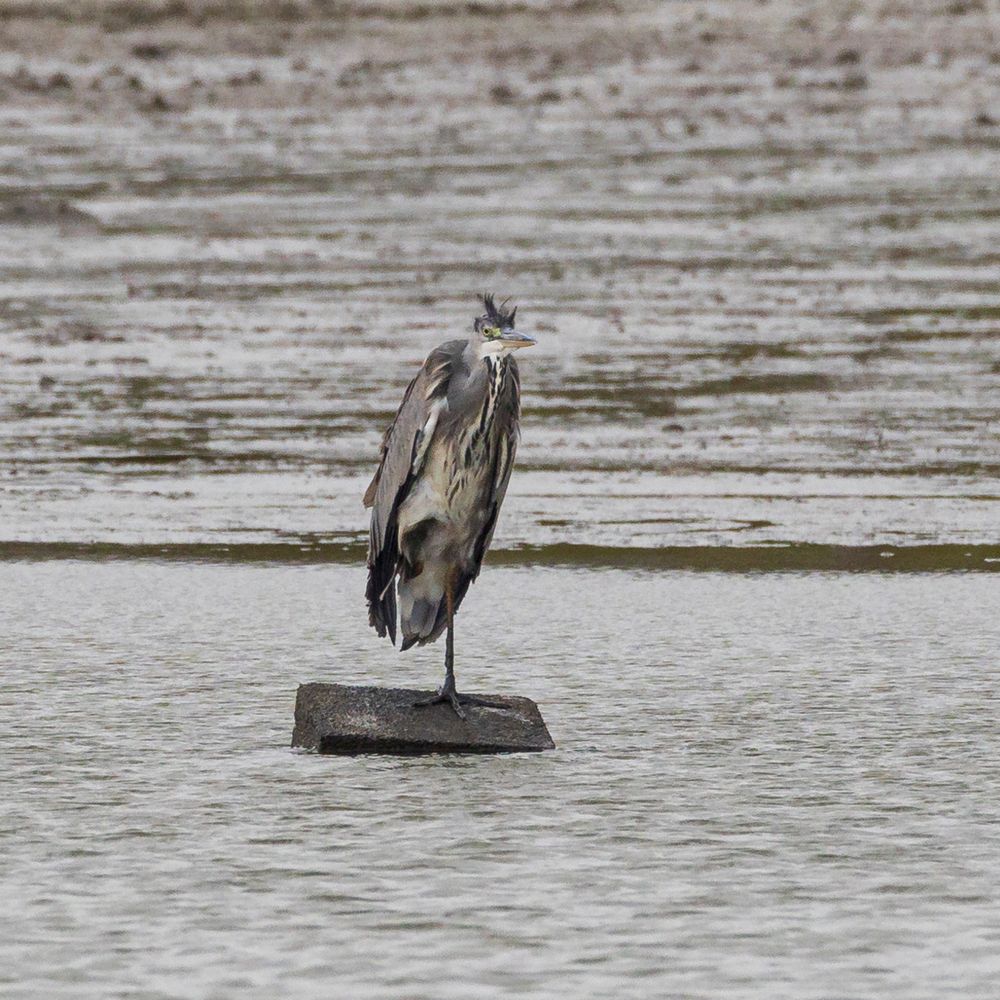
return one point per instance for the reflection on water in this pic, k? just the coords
(766, 786)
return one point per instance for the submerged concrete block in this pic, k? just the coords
(339, 719)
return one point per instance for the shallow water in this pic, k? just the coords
(766, 785)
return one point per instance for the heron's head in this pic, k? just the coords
(494, 331)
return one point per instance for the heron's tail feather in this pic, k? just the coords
(423, 612)
(421, 600)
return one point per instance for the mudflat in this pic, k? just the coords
(758, 243)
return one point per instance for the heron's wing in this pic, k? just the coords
(404, 447)
(407, 413)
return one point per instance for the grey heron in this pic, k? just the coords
(442, 475)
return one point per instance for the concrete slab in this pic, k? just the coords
(347, 720)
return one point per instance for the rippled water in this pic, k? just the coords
(770, 785)
(758, 244)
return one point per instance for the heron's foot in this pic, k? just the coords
(446, 693)
(471, 699)
(456, 700)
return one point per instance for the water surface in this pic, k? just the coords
(766, 785)
(758, 245)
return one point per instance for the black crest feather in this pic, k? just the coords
(498, 315)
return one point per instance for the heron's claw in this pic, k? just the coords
(471, 699)
(456, 700)
(449, 695)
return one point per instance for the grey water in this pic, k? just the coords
(758, 245)
(778, 785)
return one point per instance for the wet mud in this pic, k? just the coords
(758, 244)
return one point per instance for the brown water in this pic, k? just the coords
(759, 250)
(758, 244)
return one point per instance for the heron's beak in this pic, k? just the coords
(511, 338)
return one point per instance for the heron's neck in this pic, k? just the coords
(496, 372)
(496, 362)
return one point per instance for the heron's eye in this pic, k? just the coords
(491, 332)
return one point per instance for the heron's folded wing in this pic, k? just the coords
(404, 446)
(411, 430)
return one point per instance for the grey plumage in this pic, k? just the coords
(443, 471)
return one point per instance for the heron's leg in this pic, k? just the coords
(447, 690)
(449, 641)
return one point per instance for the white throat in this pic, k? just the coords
(494, 349)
